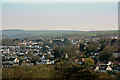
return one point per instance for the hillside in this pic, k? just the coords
(18, 33)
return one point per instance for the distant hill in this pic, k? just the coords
(12, 30)
(34, 33)
(19, 33)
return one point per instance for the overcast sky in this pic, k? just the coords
(60, 16)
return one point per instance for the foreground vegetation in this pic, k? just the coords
(61, 70)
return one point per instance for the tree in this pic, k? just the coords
(7, 41)
(58, 42)
(92, 47)
(16, 41)
(66, 42)
(44, 48)
(30, 54)
(57, 52)
(113, 41)
(70, 50)
(76, 72)
(39, 40)
(106, 54)
(89, 61)
(102, 46)
(81, 48)
(26, 39)
(33, 61)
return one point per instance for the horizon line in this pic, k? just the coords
(58, 30)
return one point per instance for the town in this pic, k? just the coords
(59, 40)
(101, 53)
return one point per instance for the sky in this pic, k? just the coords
(59, 0)
(60, 15)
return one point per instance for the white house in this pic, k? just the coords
(66, 56)
(109, 68)
(109, 63)
(43, 57)
(97, 68)
(16, 60)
